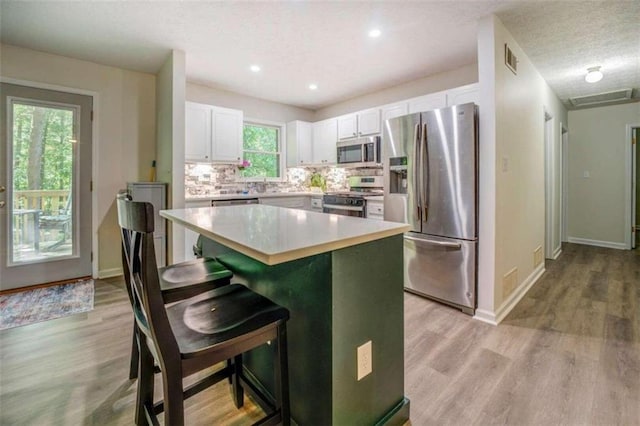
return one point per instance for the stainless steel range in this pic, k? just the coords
(352, 202)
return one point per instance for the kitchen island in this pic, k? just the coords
(342, 280)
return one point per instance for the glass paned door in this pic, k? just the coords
(45, 207)
(44, 163)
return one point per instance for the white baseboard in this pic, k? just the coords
(607, 244)
(494, 318)
(108, 273)
(485, 316)
(556, 252)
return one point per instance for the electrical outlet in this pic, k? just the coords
(365, 366)
(537, 256)
(509, 282)
(505, 164)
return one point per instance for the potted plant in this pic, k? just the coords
(317, 182)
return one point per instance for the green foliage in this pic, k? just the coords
(319, 181)
(57, 159)
(261, 149)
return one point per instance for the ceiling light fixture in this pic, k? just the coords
(375, 33)
(593, 75)
(313, 86)
(254, 68)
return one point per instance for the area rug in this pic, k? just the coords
(42, 304)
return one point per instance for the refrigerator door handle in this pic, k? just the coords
(424, 155)
(442, 244)
(416, 175)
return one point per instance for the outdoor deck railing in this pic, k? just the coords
(49, 202)
(28, 207)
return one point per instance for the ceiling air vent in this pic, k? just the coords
(602, 98)
(510, 60)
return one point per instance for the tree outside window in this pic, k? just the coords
(261, 147)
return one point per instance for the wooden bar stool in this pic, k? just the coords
(177, 282)
(197, 333)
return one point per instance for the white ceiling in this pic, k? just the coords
(297, 43)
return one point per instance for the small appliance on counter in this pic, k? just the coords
(352, 202)
(431, 167)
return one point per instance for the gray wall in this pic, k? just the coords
(598, 146)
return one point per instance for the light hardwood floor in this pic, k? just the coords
(569, 353)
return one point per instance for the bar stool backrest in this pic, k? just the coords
(136, 222)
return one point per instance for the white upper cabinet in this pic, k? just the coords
(325, 136)
(299, 151)
(369, 122)
(394, 110)
(347, 126)
(464, 95)
(363, 123)
(227, 134)
(428, 102)
(212, 133)
(197, 132)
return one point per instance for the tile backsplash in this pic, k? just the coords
(216, 179)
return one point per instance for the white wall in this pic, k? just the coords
(124, 135)
(422, 86)
(598, 146)
(252, 107)
(512, 218)
(170, 92)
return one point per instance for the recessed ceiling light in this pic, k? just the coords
(254, 68)
(313, 86)
(374, 33)
(593, 75)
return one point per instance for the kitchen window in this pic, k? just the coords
(262, 147)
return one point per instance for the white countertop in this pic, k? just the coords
(253, 195)
(275, 235)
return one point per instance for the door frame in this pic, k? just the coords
(549, 184)
(94, 154)
(564, 150)
(628, 187)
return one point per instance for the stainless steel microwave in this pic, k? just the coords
(362, 152)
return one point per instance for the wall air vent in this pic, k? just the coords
(602, 98)
(510, 60)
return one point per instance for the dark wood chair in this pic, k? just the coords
(197, 333)
(177, 282)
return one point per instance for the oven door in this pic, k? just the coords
(355, 211)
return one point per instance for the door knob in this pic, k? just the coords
(2, 188)
(1, 204)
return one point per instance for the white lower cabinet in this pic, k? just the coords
(156, 194)
(316, 204)
(375, 209)
(288, 202)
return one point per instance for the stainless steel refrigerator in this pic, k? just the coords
(431, 182)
